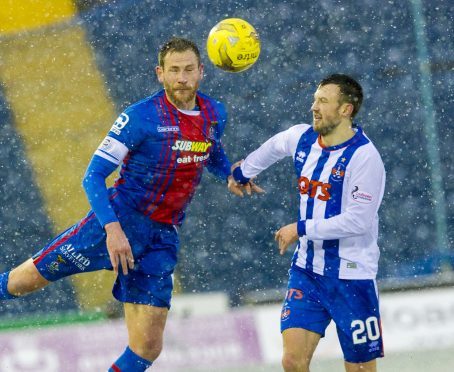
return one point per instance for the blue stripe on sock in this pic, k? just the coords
(130, 362)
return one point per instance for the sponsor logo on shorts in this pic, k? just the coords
(352, 265)
(54, 266)
(294, 294)
(76, 258)
(285, 314)
(374, 346)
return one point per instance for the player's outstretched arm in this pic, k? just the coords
(120, 252)
(276, 148)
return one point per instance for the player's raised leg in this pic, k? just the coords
(81, 248)
(299, 346)
(20, 281)
(145, 325)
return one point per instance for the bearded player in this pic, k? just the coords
(163, 143)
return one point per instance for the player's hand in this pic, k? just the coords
(286, 236)
(119, 249)
(239, 189)
(233, 186)
(236, 165)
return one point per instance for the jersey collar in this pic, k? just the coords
(355, 138)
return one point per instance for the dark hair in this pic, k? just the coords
(177, 44)
(351, 91)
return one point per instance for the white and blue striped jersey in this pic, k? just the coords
(341, 188)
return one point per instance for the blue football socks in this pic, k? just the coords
(4, 294)
(130, 362)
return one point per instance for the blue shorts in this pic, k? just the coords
(82, 248)
(312, 300)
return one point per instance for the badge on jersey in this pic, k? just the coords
(361, 196)
(112, 150)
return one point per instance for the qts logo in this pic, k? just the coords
(294, 294)
(314, 188)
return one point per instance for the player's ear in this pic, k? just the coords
(159, 73)
(347, 109)
(201, 68)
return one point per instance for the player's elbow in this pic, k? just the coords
(89, 182)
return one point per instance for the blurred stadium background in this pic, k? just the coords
(68, 67)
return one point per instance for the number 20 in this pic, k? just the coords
(370, 326)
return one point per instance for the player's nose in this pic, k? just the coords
(182, 78)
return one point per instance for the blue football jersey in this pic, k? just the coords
(163, 151)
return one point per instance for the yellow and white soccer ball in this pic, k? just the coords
(233, 45)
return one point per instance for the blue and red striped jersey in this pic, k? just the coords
(163, 151)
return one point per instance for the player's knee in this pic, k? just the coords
(149, 349)
(294, 363)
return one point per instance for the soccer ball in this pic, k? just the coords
(233, 45)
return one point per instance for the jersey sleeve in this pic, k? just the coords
(94, 184)
(218, 163)
(129, 128)
(364, 194)
(125, 135)
(276, 148)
